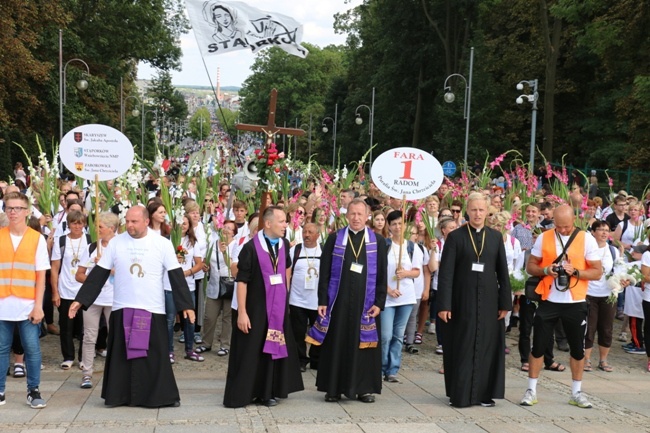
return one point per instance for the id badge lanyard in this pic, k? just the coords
(477, 266)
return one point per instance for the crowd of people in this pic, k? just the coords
(346, 287)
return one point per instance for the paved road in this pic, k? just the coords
(418, 404)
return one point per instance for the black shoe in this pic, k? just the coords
(564, 347)
(177, 327)
(366, 398)
(332, 398)
(303, 367)
(269, 403)
(489, 403)
(175, 404)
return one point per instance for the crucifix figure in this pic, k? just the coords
(270, 129)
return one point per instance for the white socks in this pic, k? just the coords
(576, 387)
(532, 384)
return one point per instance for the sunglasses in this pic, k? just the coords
(300, 212)
(455, 210)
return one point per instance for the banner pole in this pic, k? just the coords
(401, 238)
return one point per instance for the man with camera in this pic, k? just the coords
(564, 258)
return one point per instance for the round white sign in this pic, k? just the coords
(93, 149)
(407, 171)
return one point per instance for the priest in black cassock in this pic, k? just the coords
(351, 293)
(263, 362)
(137, 370)
(473, 299)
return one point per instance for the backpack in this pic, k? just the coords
(92, 246)
(410, 247)
(612, 251)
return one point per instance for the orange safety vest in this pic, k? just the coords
(18, 268)
(576, 255)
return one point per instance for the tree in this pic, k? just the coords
(200, 124)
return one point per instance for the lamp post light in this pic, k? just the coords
(532, 98)
(81, 84)
(201, 121)
(358, 120)
(153, 123)
(450, 97)
(325, 130)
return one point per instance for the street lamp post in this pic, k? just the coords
(144, 118)
(450, 97)
(81, 84)
(359, 120)
(302, 126)
(532, 98)
(336, 111)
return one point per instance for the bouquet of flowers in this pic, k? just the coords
(181, 253)
(518, 281)
(630, 273)
(429, 223)
(269, 162)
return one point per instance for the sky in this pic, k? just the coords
(316, 16)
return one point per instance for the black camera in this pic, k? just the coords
(562, 277)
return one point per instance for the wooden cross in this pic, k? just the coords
(270, 129)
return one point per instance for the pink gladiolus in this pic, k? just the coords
(549, 170)
(610, 182)
(281, 155)
(326, 176)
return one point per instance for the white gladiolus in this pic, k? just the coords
(344, 172)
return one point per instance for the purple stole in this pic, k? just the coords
(137, 330)
(276, 300)
(368, 326)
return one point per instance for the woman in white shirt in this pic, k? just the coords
(400, 299)
(218, 303)
(108, 224)
(601, 313)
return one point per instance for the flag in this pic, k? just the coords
(225, 26)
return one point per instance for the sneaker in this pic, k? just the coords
(181, 339)
(439, 349)
(432, 328)
(2, 399)
(86, 382)
(627, 346)
(391, 378)
(102, 353)
(580, 400)
(34, 399)
(197, 338)
(530, 398)
(622, 336)
(66, 365)
(636, 350)
(488, 403)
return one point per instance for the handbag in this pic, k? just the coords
(533, 281)
(226, 284)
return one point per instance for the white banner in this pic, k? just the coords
(224, 26)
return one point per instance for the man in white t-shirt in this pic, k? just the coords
(303, 299)
(563, 288)
(22, 284)
(138, 372)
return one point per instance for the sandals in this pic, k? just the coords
(412, 349)
(202, 349)
(587, 366)
(193, 356)
(525, 366)
(223, 351)
(19, 370)
(604, 366)
(172, 358)
(556, 366)
(418, 338)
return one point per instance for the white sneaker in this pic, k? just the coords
(432, 328)
(530, 398)
(102, 353)
(622, 336)
(580, 400)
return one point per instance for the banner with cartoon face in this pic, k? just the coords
(224, 26)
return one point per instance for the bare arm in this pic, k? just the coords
(54, 281)
(243, 322)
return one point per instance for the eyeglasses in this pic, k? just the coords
(603, 230)
(15, 209)
(455, 210)
(300, 212)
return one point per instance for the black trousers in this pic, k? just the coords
(301, 320)
(526, 316)
(68, 328)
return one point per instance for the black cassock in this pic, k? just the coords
(147, 381)
(253, 374)
(343, 367)
(474, 340)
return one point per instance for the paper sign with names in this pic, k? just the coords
(96, 150)
(407, 171)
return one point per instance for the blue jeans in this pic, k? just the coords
(29, 334)
(393, 325)
(170, 313)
